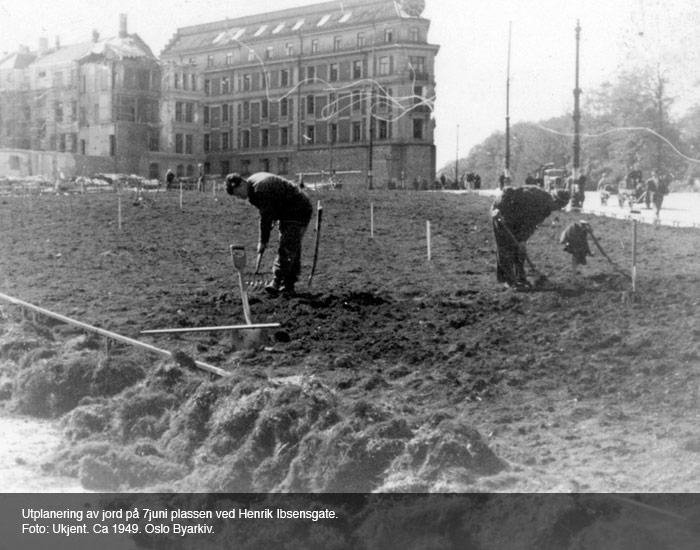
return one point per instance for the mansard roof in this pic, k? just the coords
(290, 22)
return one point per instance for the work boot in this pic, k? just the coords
(288, 289)
(273, 288)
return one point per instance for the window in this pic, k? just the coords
(225, 85)
(383, 130)
(283, 165)
(298, 25)
(207, 87)
(311, 73)
(193, 82)
(310, 105)
(207, 143)
(357, 131)
(269, 52)
(179, 144)
(206, 114)
(417, 63)
(383, 101)
(289, 48)
(417, 128)
(385, 65)
(193, 61)
(112, 145)
(178, 111)
(246, 110)
(245, 139)
(224, 113)
(332, 106)
(189, 144)
(153, 141)
(284, 136)
(356, 100)
(413, 34)
(360, 40)
(417, 95)
(357, 69)
(284, 107)
(251, 54)
(224, 141)
(189, 112)
(278, 28)
(333, 72)
(284, 77)
(388, 35)
(176, 81)
(229, 58)
(58, 111)
(314, 45)
(333, 133)
(264, 108)
(210, 61)
(96, 113)
(337, 43)
(310, 135)
(246, 82)
(264, 137)
(245, 167)
(225, 167)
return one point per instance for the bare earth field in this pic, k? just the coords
(390, 373)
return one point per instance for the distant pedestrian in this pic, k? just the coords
(169, 179)
(650, 189)
(277, 199)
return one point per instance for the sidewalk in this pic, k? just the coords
(678, 210)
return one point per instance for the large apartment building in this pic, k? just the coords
(93, 105)
(345, 86)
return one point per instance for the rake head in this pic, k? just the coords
(256, 281)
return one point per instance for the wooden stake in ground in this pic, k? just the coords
(180, 195)
(371, 220)
(427, 233)
(119, 212)
(319, 215)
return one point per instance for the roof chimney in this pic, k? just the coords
(95, 35)
(122, 25)
(43, 45)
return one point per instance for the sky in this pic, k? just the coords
(472, 64)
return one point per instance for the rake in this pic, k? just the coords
(255, 281)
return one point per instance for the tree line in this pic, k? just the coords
(626, 124)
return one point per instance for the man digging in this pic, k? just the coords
(277, 199)
(515, 215)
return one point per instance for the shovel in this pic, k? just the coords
(253, 338)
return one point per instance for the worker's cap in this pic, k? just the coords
(234, 180)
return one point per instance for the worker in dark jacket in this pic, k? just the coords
(516, 214)
(575, 241)
(277, 199)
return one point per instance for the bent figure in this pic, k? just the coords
(277, 199)
(516, 214)
(575, 241)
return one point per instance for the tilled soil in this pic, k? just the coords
(391, 372)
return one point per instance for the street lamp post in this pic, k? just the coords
(574, 203)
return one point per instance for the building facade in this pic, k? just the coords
(345, 87)
(94, 105)
(338, 86)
